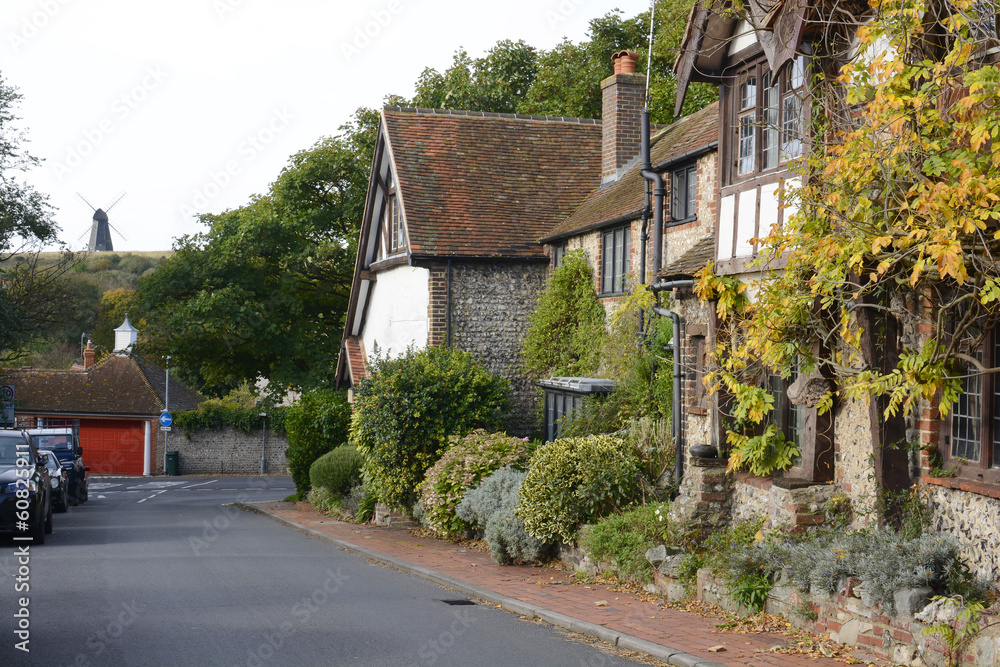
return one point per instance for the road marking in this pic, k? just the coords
(153, 496)
(198, 484)
(99, 497)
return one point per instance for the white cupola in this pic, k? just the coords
(125, 337)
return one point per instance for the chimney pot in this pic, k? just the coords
(625, 61)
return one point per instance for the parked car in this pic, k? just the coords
(59, 481)
(25, 489)
(65, 443)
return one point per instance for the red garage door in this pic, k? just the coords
(112, 447)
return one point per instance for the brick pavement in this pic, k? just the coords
(552, 589)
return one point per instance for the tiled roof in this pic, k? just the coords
(489, 185)
(117, 385)
(623, 199)
(356, 359)
(691, 261)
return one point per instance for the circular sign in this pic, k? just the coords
(166, 419)
(7, 392)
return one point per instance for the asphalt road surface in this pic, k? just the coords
(162, 571)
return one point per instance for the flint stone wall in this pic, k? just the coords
(492, 304)
(226, 452)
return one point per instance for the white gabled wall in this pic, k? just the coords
(397, 314)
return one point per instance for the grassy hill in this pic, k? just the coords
(90, 276)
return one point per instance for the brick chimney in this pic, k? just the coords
(623, 98)
(88, 355)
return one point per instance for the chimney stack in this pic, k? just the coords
(624, 95)
(88, 355)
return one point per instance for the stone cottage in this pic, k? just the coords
(761, 64)
(448, 252)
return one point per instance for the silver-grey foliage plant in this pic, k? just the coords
(490, 507)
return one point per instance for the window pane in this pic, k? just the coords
(748, 93)
(627, 264)
(791, 127)
(607, 249)
(769, 153)
(746, 143)
(966, 418)
(678, 192)
(619, 254)
(797, 72)
(692, 193)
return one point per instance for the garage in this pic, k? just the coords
(113, 447)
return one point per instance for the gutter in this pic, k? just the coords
(684, 157)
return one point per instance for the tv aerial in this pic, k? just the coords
(100, 229)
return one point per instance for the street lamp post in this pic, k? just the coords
(263, 440)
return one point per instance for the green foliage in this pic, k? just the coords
(883, 559)
(633, 354)
(496, 82)
(751, 591)
(239, 410)
(727, 552)
(315, 424)
(407, 408)
(114, 305)
(576, 480)
(490, 507)
(337, 471)
(761, 454)
(258, 292)
(567, 327)
(623, 539)
(323, 501)
(467, 461)
(956, 634)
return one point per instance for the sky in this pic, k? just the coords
(193, 106)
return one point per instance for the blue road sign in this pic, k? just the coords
(166, 419)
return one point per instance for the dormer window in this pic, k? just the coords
(396, 241)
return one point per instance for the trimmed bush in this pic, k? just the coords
(407, 408)
(577, 480)
(337, 470)
(467, 461)
(490, 508)
(316, 424)
(622, 539)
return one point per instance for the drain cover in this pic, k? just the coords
(459, 602)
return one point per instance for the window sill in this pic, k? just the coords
(959, 484)
(676, 223)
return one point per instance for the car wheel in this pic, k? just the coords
(73, 500)
(62, 505)
(84, 496)
(47, 527)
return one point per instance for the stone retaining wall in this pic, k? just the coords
(227, 452)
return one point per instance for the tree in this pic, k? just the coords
(496, 82)
(114, 306)
(262, 292)
(897, 220)
(567, 328)
(568, 82)
(34, 299)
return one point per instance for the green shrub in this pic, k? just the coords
(463, 465)
(567, 327)
(316, 424)
(322, 500)
(576, 480)
(337, 471)
(490, 508)
(623, 539)
(409, 405)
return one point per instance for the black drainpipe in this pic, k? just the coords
(447, 314)
(675, 350)
(659, 192)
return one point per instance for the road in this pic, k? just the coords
(164, 571)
